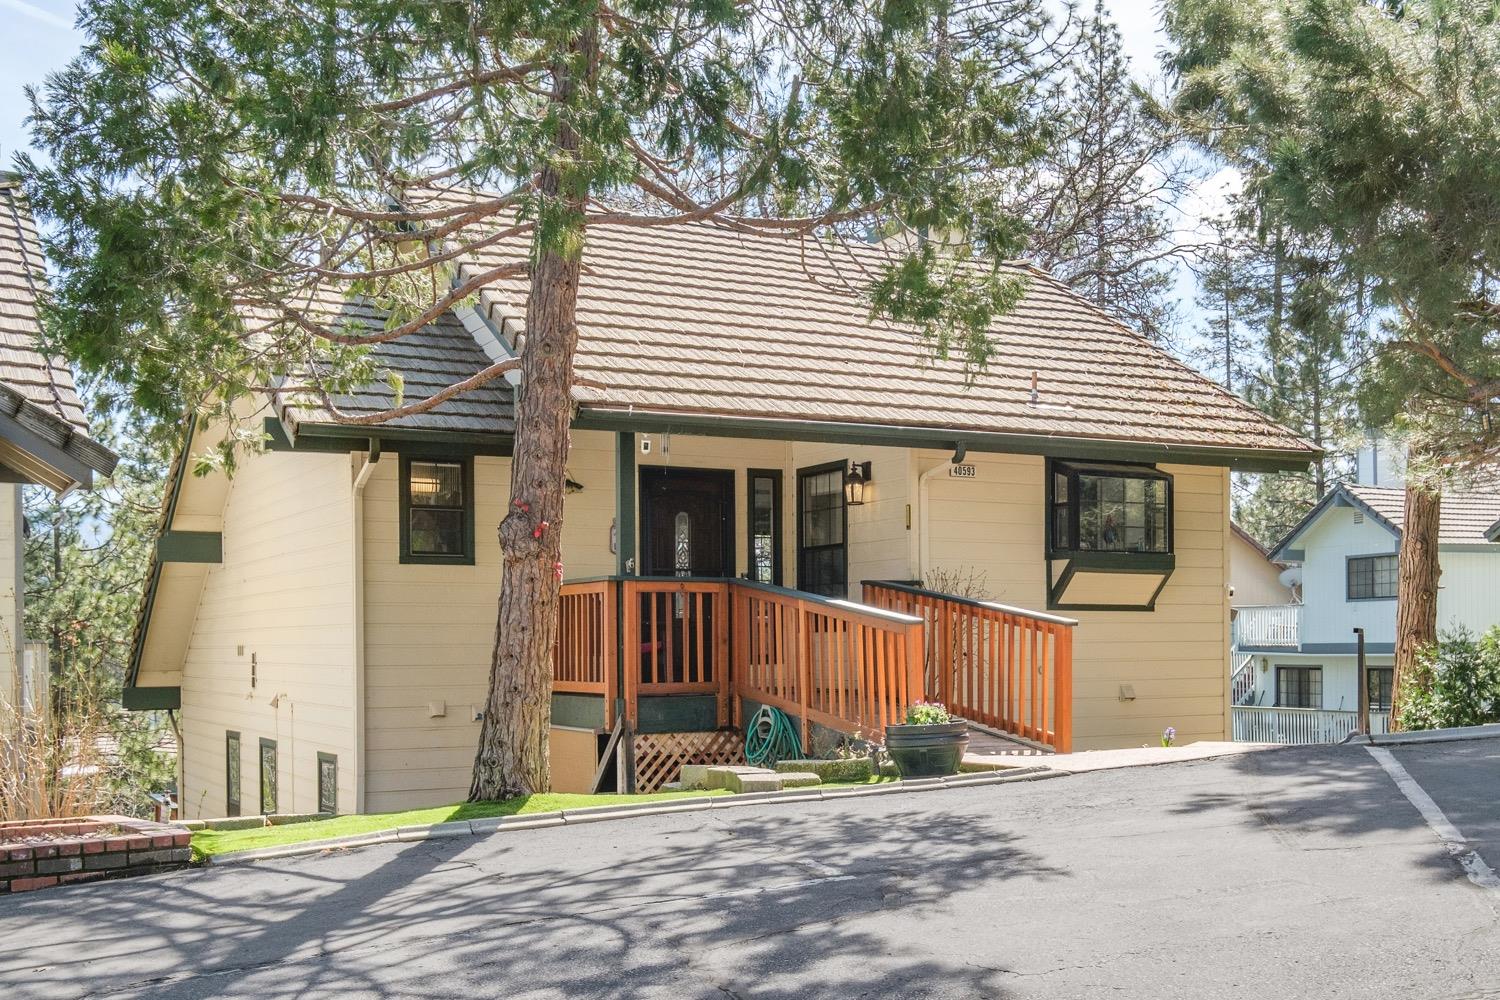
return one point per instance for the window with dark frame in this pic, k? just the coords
(1299, 687)
(1107, 507)
(764, 495)
(437, 510)
(328, 783)
(1372, 577)
(267, 776)
(1378, 684)
(822, 558)
(232, 773)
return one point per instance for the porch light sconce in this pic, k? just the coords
(856, 483)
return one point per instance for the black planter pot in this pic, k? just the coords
(928, 751)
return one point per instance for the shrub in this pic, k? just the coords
(927, 713)
(1457, 682)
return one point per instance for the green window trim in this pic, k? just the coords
(466, 512)
(1063, 527)
(268, 777)
(752, 509)
(328, 783)
(233, 764)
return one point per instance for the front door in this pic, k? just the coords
(822, 523)
(687, 522)
(687, 530)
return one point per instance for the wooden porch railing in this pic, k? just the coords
(1000, 666)
(583, 661)
(836, 663)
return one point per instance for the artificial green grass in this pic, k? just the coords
(207, 843)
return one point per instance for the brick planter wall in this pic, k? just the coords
(41, 853)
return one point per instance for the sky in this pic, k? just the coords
(39, 38)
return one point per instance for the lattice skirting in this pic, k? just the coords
(660, 756)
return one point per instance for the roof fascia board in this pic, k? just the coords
(338, 438)
(642, 421)
(54, 465)
(1488, 548)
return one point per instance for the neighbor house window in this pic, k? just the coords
(328, 783)
(267, 776)
(1372, 577)
(1299, 687)
(232, 773)
(765, 525)
(1378, 683)
(1109, 508)
(437, 510)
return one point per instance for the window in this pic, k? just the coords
(765, 525)
(267, 776)
(1378, 682)
(1372, 577)
(1299, 687)
(328, 783)
(437, 510)
(1109, 508)
(822, 559)
(232, 773)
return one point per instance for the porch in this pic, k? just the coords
(675, 666)
(1298, 726)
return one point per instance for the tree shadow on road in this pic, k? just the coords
(743, 902)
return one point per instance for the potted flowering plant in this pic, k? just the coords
(930, 744)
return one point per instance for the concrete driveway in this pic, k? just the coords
(1288, 873)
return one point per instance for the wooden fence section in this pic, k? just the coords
(676, 640)
(835, 663)
(1003, 667)
(583, 661)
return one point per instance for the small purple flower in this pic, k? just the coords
(1169, 736)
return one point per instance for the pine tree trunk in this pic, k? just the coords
(513, 741)
(1416, 588)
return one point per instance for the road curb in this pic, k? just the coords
(1456, 735)
(604, 814)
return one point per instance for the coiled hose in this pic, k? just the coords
(771, 736)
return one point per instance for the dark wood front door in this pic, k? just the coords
(687, 530)
(687, 522)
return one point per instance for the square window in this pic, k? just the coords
(1109, 508)
(437, 510)
(1372, 577)
(1299, 687)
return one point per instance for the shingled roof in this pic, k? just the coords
(702, 321)
(431, 359)
(1466, 517)
(36, 391)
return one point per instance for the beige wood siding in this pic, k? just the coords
(283, 595)
(1175, 658)
(1255, 578)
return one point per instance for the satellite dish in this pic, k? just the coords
(1291, 576)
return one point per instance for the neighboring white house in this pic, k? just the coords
(1295, 677)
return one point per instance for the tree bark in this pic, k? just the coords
(1416, 588)
(513, 740)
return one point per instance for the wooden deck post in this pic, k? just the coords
(610, 653)
(804, 670)
(1062, 698)
(723, 603)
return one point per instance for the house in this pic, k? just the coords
(43, 434)
(752, 496)
(1256, 579)
(1295, 668)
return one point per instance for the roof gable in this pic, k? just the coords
(1467, 518)
(42, 420)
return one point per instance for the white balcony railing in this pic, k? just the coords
(1257, 724)
(1278, 625)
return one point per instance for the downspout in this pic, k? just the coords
(924, 517)
(357, 517)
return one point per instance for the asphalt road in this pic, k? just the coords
(1290, 873)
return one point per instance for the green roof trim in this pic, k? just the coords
(190, 547)
(153, 699)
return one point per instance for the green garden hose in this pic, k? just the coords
(771, 736)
